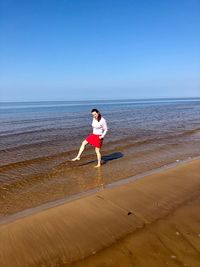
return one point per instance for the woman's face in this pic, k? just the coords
(95, 114)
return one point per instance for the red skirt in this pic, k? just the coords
(94, 140)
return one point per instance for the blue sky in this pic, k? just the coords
(106, 49)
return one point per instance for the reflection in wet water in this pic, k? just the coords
(99, 179)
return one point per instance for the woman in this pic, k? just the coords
(96, 138)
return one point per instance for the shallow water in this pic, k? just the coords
(37, 140)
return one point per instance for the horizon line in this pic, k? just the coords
(116, 99)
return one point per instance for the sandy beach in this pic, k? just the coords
(152, 221)
(100, 133)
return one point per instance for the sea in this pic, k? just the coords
(39, 139)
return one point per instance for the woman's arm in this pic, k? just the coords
(105, 129)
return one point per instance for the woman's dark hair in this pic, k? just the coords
(98, 112)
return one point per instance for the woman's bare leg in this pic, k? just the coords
(97, 150)
(81, 149)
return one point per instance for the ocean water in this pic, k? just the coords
(38, 139)
(56, 127)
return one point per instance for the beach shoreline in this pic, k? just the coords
(76, 230)
(68, 199)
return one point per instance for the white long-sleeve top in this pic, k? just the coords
(100, 127)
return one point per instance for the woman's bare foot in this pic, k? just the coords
(76, 158)
(97, 166)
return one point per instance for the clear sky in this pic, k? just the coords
(105, 49)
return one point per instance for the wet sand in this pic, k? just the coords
(172, 241)
(153, 221)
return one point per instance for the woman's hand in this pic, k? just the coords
(100, 137)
